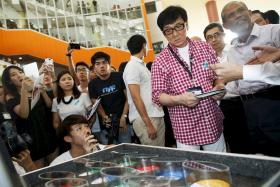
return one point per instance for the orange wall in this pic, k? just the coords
(17, 42)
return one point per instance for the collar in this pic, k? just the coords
(134, 58)
(255, 33)
(175, 49)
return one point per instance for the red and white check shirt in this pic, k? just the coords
(192, 126)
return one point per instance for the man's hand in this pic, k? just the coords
(46, 68)
(188, 99)
(27, 84)
(152, 132)
(123, 125)
(69, 50)
(228, 72)
(24, 160)
(42, 88)
(107, 122)
(221, 95)
(267, 54)
(89, 144)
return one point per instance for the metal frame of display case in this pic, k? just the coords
(246, 170)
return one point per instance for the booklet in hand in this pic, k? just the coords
(210, 93)
(93, 108)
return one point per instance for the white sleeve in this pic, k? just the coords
(64, 157)
(86, 100)
(268, 72)
(54, 105)
(101, 146)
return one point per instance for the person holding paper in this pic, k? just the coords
(179, 73)
(113, 108)
(35, 122)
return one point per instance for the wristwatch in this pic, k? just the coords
(125, 115)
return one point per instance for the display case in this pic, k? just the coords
(246, 170)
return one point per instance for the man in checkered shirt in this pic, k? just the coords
(181, 71)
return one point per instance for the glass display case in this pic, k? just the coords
(246, 170)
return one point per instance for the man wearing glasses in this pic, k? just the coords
(179, 73)
(261, 101)
(231, 104)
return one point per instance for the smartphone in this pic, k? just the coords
(210, 93)
(75, 46)
(48, 61)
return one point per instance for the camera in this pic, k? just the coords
(113, 131)
(75, 46)
(14, 142)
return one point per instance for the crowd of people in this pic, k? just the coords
(134, 102)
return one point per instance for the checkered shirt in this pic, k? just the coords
(192, 126)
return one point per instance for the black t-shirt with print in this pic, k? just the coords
(114, 100)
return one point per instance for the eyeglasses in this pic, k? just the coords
(82, 69)
(216, 35)
(177, 27)
(232, 15)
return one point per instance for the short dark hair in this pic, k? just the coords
(122, 66)
(272, 16)
(135, 43)
(91, 67)
(170, 15)
(149, 65)
(81, 63)
(99, 55)
(211, 26)
(69, 121)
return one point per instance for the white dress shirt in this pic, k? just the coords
(136, 72)
(241, 53)
(268, 73)
(231, 87)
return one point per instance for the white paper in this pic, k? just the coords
(31, 70)
(36, 90)
(93, 108)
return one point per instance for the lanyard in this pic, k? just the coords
(184, 65)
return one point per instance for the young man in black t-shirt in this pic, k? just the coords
(113, 109)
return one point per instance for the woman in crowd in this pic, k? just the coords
(33, 121)
(69, 101)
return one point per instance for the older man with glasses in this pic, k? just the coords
(179, 74)
(261, 101)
